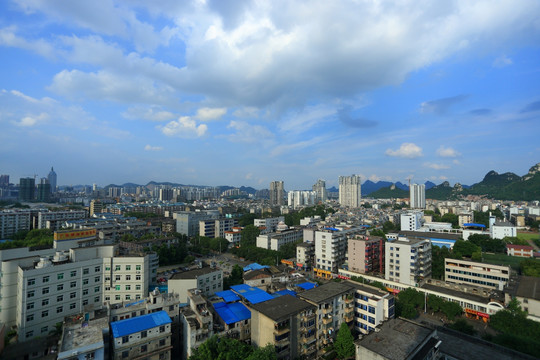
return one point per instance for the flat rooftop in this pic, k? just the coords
(282, 307)
(325, 292)
(192, 274)
(84, 335)
(529, 287)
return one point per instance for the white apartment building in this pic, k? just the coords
(407, 260)
(417, 194)
(320, 190)
(234, 236)
(270, 224)
(207, 280)
(412, 220)
(187, 222)
(350, 191)
(331, 248)
(53, 219)
(471, 272)
(274, 241)
(372, 306)
(214, 228)
(502, 229)
(196, 322)
(305, 254)
(12, 222)
(465, 217)
(298, 199)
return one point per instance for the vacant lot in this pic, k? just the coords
(528, 236)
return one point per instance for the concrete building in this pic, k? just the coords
(321, 195)
(502, 229)
(197, 323)
(527, 292)
(287, 323)
(96, 207)
(83, 338)
(207, 280)
(366, 254)
(216, 227)
(27, 189)
(411, 220)
(52, 180)
(54, 219)
(147, 336)
(44, 190)
(520, 250)
(234, 236)
(331, 249)
(13, 221)
(417, 194)
(298, 199)
(334, 304)
(465, 217)
(270, 224)
(277, 193)
(274, 241)
(187, 222)
(407, 260)
(372, 307)
(350, 191)
(471, 272)
(305, 255)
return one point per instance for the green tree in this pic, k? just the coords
(249, 235)
(530, 267)
(344, 345)
(438, 254)
(235, 278)
(265, 353)
(464, 248)
(463, 326)
(389, 226)
(451, 309)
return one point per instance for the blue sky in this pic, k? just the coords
(245, 92)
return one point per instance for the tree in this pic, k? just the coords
(463, 326)
(266, 353)
(344, 345)
(249, 235)
(389, 226)
(236, 277)
(451, 310)
(464, 248)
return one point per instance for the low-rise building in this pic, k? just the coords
(275, 240)
(366, 254)
(372, 307)
(85, 338)
(206, 279)
(502, 229)
(197, 324)
(471, 272)
(53, 219)
(520, 250)
(305, 255)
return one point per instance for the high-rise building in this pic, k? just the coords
(27, 188)
(4, 180)
(96, 207)
(297, 199)
(418, 196)
(277, 193)
(52, 180)
(320, 189)
(44, 190)
(350, 191)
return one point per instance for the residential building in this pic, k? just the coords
(260, 278)
(372, 306)
(197, 323)
(305, 255)
(287, 323)
(85, 338)
(527, 291)
(366, 254)
(502, 229)
(298, 199)
(417, 194)
(147, 336)
(520, 250)
(274, 241)
(27, 188)
(13, 221)
(277, 193)
(350, 191)
(52, 180)
(206, 279)
(321, 195)
(234, 236)
(54, 219)
(188, 222)
(465, 217)
(411, 220)
(407, 260)
(96, 207)
(216, 227)
(472, 272)
(44, 190)
(331, 249)
(334, 303)
(269, 224)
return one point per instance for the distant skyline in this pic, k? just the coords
(239, 93)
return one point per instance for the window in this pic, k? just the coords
(97, 279)
(85, 292)
(125, 354)
(73, 284)
(117, 287)
(118, 277)
(31, 282)
(45, 313)
(29, 333)
(60, 287)
(44, 329)
(72, 295)
(59, 309)
(86, 271)
(128, 267)
(60, 298)
(137, 267)
(137, 277)
(46, 279)
(96, 299)
(72, 306)
(29, 306)
(44, 302)
(162, 329)
(128, 277)
(125, 339)
(107, 278)
(117, 297)
(45, 290)
(144, 334)
(85, 282)
(30, 317)
(128, 287)
(107, 298)
(85, 302)
(97, 269)
(137, 287)
(60, 276)
(144, 348)
(117, 268)
(96, 289)
(128, 297)
(162, 342)
(73, 273)
(107, 268)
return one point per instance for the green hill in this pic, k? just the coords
(389, 192)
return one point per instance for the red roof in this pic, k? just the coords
(519, 247)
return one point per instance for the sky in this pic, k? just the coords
(223, 92)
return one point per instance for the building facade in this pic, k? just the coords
(366, 254)
(350, 191)
(207, 280)
(331, 249)
(13, 221)
(277, 193)
(408, 260)
(417, 193)
(471, 272)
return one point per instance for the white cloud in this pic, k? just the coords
(153, 148)
(248, 133)
(443, 151)
(148, 113)
(29, 121)
(406, 150)
(502, 61)
(9, 38)
(206, 114)
(184, 127)
(436, 166)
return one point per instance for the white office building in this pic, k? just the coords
(331, 247)
(270, 224)
(187, 222)
(13, 221)
(411, 220)
(418, 196)
(502, 229)
(350, 191)
(54, 219)
(407, 260)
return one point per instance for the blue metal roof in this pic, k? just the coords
(255, 266)
(475, 225)
(232, 313)
(251, 294)
(284, 292)
(139, 323)
(307, 285)
(331, 229)
(228, 296)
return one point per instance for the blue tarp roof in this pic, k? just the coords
(476, 225)
(255, 266)
(251, 294)
(228, 296)
(139, 323)
(284, 292)
(231, 313)
(332, 229)
(307, 285)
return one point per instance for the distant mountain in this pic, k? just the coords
(369, 186)
(402, 186)
(391, 191)
(443, 191)
(429, 185)
(332, 189)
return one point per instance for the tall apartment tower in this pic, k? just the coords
(277, 193)
(44, 190)
(320, 190)
(418, 196)
(350, 192)
(52, 180)
(27, 188)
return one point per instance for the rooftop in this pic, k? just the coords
(232, 313)
(282, 307)
(192, 274)
(251, 294)
(326, 292)
(367, 288)
(87, 334)
(529, 287)
(139, 323)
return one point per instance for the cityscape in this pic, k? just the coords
(269, 180)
